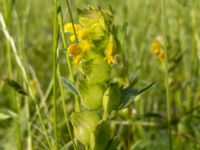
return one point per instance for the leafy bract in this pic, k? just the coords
(16, 86)
(128, 93)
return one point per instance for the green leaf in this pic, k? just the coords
(100, 137)
(149, 116)
(63, 50)
(18, 88)
(70, 86)
(128, 93)
(112, 144)
(1, 85)
(84, 124)
(91, 94)
(6, 114)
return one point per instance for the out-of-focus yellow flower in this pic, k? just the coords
(85, 45)
(155, 48)
(109, 52)
(161, 56)
(72, 38)
(68, 27)
(77, 59)
(84, 34)
(74, 50)
(77, 50)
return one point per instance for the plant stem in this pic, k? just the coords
(163, 7)
(77, 104)
(72, 20)
(65, 111)
(8, 5)
(60, 21)
(55, 43)
(21, 66)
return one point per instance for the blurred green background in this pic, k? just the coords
(143, 125)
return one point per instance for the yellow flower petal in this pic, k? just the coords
(84, 34)
(109, 52)
(161, 56)
(155, 48)
(77, 59)
(68, 27)
(74, 50)
(72, 38)
(85, 45)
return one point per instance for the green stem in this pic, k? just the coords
(166, 75)
(43, 126)
(72, 20)
(55, 43)
(21, 67)
(65, 111)
(18, 125)
(8, 5)
(60, 20)
(77, 104)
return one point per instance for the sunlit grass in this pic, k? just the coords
(33, 55)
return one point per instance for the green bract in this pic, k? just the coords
(91, 94)
(84, 124)
(112, 97)
(100, 137)
(97, 70)
(94, 15)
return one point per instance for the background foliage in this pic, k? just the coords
(143, 125)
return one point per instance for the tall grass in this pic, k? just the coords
(164, 117)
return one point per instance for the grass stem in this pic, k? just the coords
(163, 7)
(55, 44)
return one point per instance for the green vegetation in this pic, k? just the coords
(99, 74)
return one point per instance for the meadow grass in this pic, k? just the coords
(32, 53)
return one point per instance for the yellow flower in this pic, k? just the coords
(109, 52)
(77, 50)
(155, 48)
(72, 38)
(84, 34)
(85, 45)
(74, 50)
(161, 56)
(77, 59)
(68, 27)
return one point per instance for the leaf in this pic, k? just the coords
(149, 116)
(1, 85)
(100, 137)
(18, 88)
(129, 93)
(112, 144)
(70, 86)
(135, 145)
(63, 50)
(6, 114)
